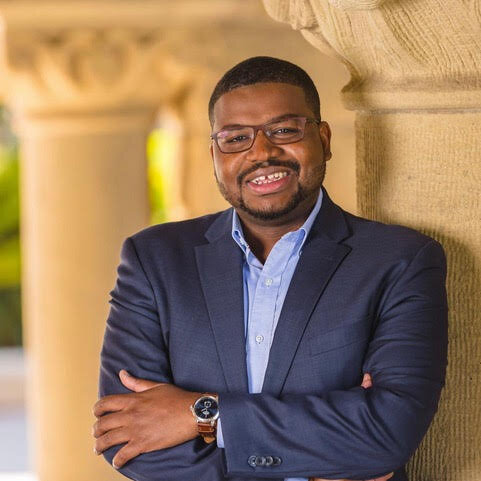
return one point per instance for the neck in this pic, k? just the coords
(262, 235)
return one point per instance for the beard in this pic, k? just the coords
(304, 191)
(275, 213)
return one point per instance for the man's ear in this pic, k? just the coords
(211, 150)
(325, 134)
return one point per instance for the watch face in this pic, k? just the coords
(206, 408)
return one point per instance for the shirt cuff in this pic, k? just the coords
(220, 437)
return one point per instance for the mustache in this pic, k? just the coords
(290, 164)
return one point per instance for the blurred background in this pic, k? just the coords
(161, 151)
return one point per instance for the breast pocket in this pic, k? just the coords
(345, 335)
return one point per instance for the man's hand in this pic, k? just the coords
(382, 478)
(366, 384)
(155, 416)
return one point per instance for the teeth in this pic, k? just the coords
(262, 179)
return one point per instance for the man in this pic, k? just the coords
(271, 315)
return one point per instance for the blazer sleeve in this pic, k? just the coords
(356, 433)
(134, 341)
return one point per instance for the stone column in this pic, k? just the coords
(416, 88)
(83, 190)
(83, 95)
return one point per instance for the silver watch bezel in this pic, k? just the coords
(212, 419)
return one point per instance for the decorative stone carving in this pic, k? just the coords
(398, 54)
(77, 68)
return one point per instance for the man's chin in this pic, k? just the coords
(265, 215)
(272, 213)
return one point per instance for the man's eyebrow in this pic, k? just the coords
(273, 119)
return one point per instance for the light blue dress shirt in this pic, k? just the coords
(265, 288)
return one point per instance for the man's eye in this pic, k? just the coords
(285, 131)
(237, 138)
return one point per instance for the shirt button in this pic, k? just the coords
(259, 338)
(268, 282)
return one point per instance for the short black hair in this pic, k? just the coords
(266, 69)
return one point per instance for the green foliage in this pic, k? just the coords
(156, 146)
(10, 317)
(9, 219)
(10, 306)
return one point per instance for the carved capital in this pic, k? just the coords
(99, 55)
(85, 68)
(298, 13)
(401, 55)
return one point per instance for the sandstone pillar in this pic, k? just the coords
(83, 95)
(416, 88)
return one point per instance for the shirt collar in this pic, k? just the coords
(302, 232)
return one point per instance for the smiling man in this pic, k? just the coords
(283, 338)
(272, 172)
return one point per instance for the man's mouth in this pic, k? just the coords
(269, 183)
(267, 179)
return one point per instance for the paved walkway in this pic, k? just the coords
(17, 477)
(14, 457)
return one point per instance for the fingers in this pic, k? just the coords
(111, 438)
(107, 423)
(134, 383)
(366, 381)
(322, 479)
(115, 402)
(383, 478)
(128, 452)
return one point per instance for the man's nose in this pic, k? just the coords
(262, 148)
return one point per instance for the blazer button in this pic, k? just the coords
(269, 460)
(276, 460)
(260, 461)
(252, 461)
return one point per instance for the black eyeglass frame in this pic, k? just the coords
(263, 128)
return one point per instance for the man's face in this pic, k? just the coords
(298, 168)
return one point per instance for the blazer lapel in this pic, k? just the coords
(321, 255)
(220, 270)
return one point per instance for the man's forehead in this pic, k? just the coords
(258, 103)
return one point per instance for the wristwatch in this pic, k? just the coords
(206, 411)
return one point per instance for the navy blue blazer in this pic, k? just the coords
(365, 297)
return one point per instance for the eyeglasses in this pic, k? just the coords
(283, 131)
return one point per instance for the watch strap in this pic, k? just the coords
(207, 429)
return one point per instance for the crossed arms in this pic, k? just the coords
(350, 434)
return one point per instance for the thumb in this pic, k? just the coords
(366, 381)
(134, 383)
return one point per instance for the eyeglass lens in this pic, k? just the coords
(280, 132)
